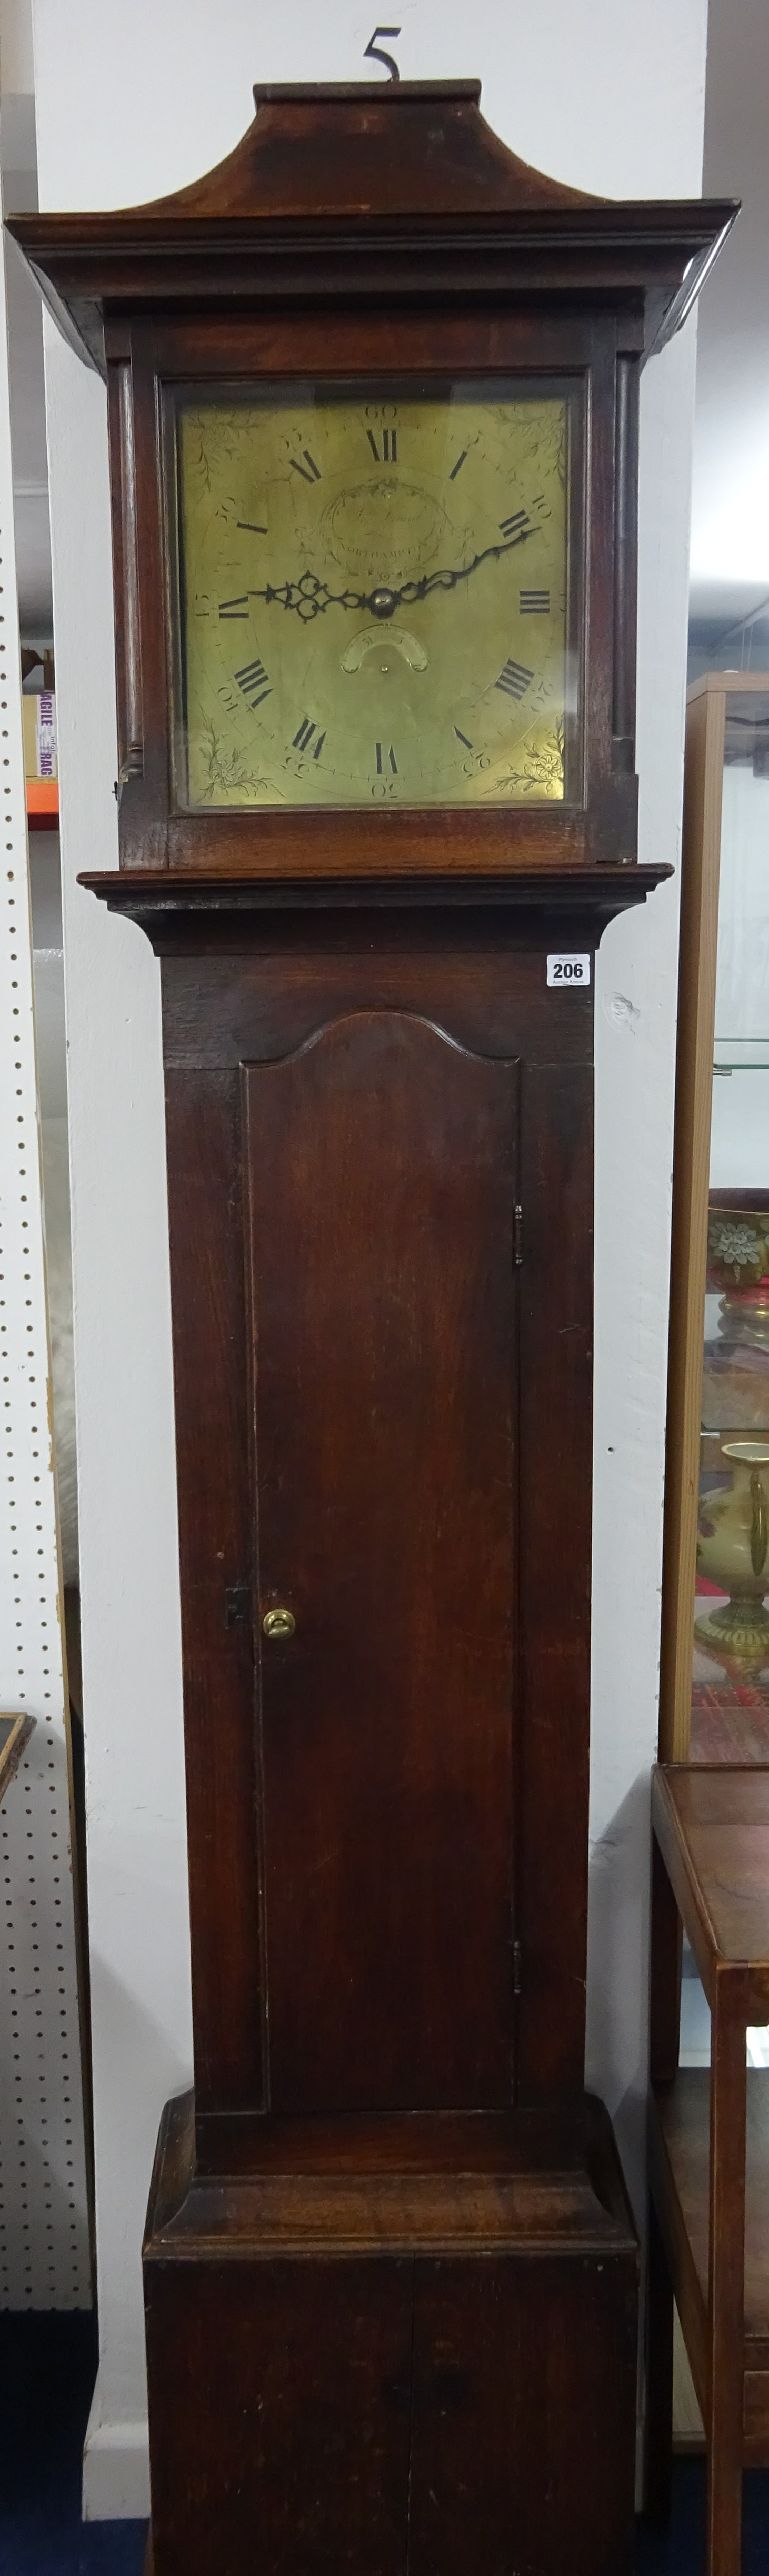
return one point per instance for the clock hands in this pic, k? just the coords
(383, 602)
(310, 597)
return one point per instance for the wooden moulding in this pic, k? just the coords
(443, 2182)
(159, 897)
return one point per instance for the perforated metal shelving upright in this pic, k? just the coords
(44, 2235)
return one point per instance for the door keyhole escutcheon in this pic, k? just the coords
(278, 1624)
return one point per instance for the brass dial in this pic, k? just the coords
(373, 599)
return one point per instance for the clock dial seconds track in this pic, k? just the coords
(373, 598)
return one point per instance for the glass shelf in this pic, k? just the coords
(741, 1055)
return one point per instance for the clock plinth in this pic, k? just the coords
(393, 2342)
(375, 591)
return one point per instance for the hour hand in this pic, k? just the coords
(309, 597)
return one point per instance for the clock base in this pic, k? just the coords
(395, 2341)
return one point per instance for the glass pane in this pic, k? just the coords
(730, 1697)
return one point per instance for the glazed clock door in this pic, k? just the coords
(382, 1176)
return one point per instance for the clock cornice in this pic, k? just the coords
(180, 912)
(426, 200)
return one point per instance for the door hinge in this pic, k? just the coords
(516, 1967)
(237, 1605)
(517, 1237)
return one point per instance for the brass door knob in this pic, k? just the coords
(278, 1623)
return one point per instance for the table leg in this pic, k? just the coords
(664, 2023)
(726, 2288)
(659, 2373)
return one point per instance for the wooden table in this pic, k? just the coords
(709, 2134)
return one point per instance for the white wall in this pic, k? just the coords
(132, 103)
(17, 66)
(636, 992)
(730, 513)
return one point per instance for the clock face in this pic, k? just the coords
(373, 597)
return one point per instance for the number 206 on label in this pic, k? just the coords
(571, 971)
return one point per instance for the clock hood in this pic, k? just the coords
(425, 199)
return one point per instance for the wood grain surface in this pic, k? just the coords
(382, 1172)
(318, 2408)
(712, 1825)
(470, 1360)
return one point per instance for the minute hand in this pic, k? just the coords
(413, 590)
(311, 597)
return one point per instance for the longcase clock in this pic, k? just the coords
(373, 405)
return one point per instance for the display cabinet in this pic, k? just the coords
(715, 1648)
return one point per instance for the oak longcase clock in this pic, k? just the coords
(373, 405)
